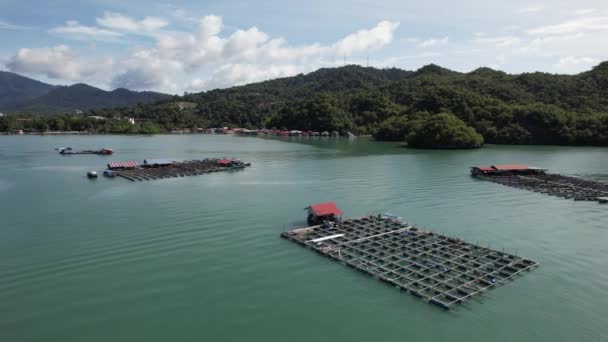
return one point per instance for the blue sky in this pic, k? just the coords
(199, 45)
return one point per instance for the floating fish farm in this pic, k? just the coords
(154, 169)
(538, 180)
(443, 270)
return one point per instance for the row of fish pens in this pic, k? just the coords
(177, 169)
(574, 188)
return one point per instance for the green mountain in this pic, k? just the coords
(15, 89)
(529, 108)
(20, 94)
(82, 97)
(251, 105)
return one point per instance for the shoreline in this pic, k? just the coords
(397, 144)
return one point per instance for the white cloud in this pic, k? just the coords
(575, 64)
(433, 42)
(245, 44)
(74, 29)
(5, 25)
(584, 11)
(120, 22)
(197, 84)
(581, 24)
(210, 25)
(242, 73)
(180, 13)
(144, 69)
(57, 62)
(500, 41)
(365, 40)
(531, 9)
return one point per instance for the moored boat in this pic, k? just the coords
(68, 151)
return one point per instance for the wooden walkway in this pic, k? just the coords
(178, 169)
(440, 269)
(574, 188)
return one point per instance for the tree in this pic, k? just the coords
(442, 130)
(393, 129)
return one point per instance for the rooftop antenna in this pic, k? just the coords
(344, 59)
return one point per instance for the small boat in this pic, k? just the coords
(602, 199)
(109, 173)
(65, 150)
(92, 174)
(69, 151)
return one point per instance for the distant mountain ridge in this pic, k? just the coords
(19, 94)
(15, 89)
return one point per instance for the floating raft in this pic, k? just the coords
(442, 270)
(177, 169)
(68, 151)
(574, 188)
(537, 179)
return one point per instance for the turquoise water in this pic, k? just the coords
(200, 258)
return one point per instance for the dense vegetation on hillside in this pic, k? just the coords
(20, 94)
(443, 130)
(77, 123)
(392, 104)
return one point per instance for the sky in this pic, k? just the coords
(198, 45)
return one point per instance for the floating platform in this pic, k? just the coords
(177, 169)
(442, 270)
(537, 179)
(574, 188)
(66, 151)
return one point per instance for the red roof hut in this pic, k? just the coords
(518, 169)
(328, 211)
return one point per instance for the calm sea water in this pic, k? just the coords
(200, 258)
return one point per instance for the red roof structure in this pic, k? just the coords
(324, 209)
(224, 161)
(122, 165)
(506, 169)
(510, 167)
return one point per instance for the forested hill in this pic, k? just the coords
(19, 94)
(392, 104)
(82, 96)
(252, 105)
(15, 89)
